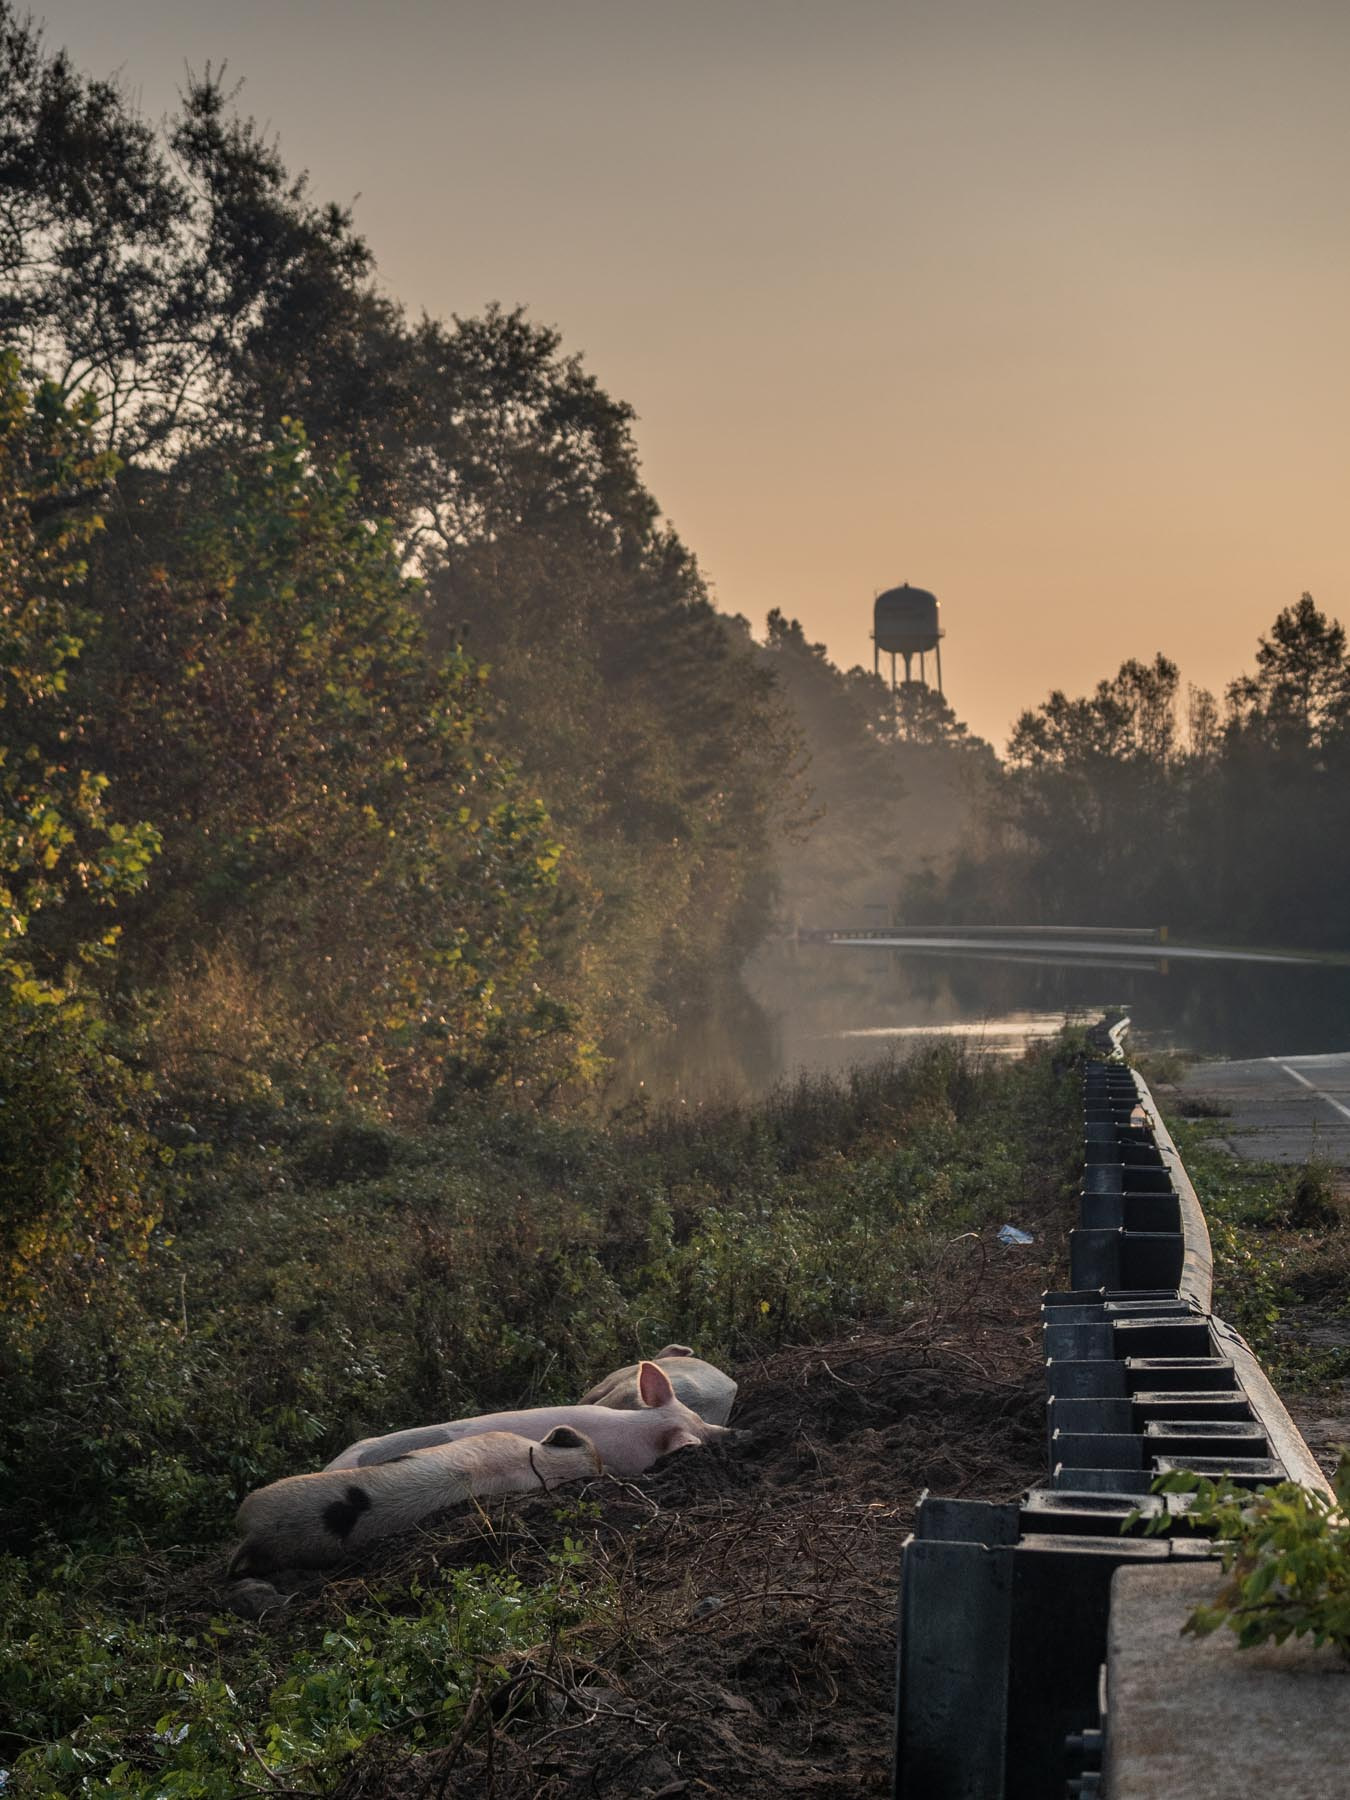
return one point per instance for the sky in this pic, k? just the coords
(1040, 304)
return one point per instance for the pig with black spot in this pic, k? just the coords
(312, 1521)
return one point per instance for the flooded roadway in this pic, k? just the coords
(1273, 1031)
(819, 1007)
(835, 1003)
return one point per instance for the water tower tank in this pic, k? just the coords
(905, 621)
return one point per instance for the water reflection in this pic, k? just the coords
(1001, 1036)
(826, 1007)
(1212, 1008)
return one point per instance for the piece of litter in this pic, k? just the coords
(1009, 1234)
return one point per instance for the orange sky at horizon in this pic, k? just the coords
(1037, 303)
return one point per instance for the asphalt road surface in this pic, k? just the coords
(1280, 1108)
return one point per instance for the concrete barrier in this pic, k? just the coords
(1188, 1715)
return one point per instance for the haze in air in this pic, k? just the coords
(1039, 306)
(439, 748)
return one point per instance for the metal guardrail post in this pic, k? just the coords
(1003, 1609)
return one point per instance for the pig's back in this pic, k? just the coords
(535, 1423)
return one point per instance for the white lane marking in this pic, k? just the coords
(1343, 1110)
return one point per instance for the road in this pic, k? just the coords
(1046, 944)
(1281, 1108)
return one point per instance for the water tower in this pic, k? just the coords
(905, 623)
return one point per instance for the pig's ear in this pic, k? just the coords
(562, 1437)
(654, 1387)
(672, 1350)
(679, 1437)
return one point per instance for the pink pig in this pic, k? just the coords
(701, 1385)
(308, 1521)
(628, 1442)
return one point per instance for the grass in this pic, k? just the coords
(313, 1282)
(1281, 1241)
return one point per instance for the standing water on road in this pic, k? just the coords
(848, 997)
(820, 1008)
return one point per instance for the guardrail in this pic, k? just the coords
(1003, 1607)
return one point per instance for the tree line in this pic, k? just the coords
(1137, 805)
(367, 737)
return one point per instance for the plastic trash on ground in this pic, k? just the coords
(1009, 1234)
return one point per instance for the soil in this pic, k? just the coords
(754, 1648)
(751, 1651)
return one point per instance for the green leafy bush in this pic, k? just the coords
(355, 892)
(121, 1707)
(1286, 1557)
(500, 1259)
(70, 1157)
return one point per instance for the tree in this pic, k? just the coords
(891, 778)
(183, 278)
(515, 436)
(538, 539)
(1084, 822)
(1281, 796)
(1242, 831)
(58, 844)
(68, 1163)
(189, 282)
(338, 838)
(923, 716)
(88, 218)
(850, 848)
(657, 742)
(1300, 696)
(1129, 719)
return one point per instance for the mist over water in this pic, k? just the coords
(818, 1008)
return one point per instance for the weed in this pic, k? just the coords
(315, 1281)
(1269, 1234)
(1286, 1557)
(118, 1707)
(1200, 1106)
(1314, 1202)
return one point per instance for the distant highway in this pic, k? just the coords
(1043, 941)
(1281, 1108)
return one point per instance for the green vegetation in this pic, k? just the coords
(120, 1705)
(1281, 1254)
(317, 931)
(374, 769)
(261, 531)
(312, 1281)
(308, 522)
(1286, 1555)
(350, 660)
(70, 1166)
(1279, 1244)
